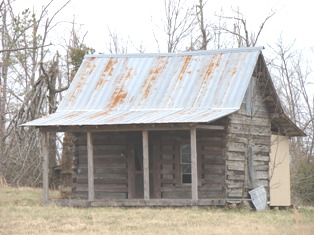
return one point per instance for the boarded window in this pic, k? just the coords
(186, 175)
(249, 101)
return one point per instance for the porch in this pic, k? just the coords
(151, 166)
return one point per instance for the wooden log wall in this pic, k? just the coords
(110, 166)
(69, 153)
(248, 135)
(211, 164)
(114, 176)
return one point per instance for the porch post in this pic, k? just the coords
(146, 164)
(45, 152)
(90, 166)
(194, 164)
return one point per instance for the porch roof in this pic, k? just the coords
(90, 118)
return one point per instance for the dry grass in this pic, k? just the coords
(22, 213)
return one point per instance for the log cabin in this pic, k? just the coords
(177, 129)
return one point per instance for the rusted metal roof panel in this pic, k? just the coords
(156, 88)
(82, 118)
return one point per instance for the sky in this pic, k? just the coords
(135, 20)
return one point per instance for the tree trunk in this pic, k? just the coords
(3, 89)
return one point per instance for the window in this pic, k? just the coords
(186, 175)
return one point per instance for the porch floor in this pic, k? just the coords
(138, 202)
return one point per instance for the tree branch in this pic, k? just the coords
(24, 48)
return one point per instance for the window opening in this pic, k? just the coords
(250, 108)
(186, 174)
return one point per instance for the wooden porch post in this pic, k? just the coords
(90, 167)
(45, 151)
(146, 164)
(194, 164)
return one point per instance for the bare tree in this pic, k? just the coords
(26, 90)
(3, 85)
(293, 80)
(177, 25)
(205, 28)
(116, 44)
(240, 30)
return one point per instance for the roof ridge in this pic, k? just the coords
(181, 53)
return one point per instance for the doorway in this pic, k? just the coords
(136, 173)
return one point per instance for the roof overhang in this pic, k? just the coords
(106, 120)
(281, 123)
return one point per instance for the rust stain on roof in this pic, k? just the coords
(119, 93)
(78, 89)
(120, 117)
(187, 60)
(108, 71)
(118, 97)
(219, 60)
(240, 61)
(97, 115)
(110, 66)
(129, 73)
(72, 115)
(100, 83)
(152, 75)
(214, 64)
(90, 67)
(210, 68)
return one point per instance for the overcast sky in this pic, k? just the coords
(135, 19)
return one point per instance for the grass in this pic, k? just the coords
(21, 212)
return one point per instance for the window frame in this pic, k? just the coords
(182, 164)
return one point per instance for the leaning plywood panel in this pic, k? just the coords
(279, 171)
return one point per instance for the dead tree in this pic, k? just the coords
(24, 44)
(116, 45)
(243, 36)
(206, 35)
(177, 24)
(3, 85)
(75, 54)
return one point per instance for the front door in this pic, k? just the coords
(138, 170)
(136, 180)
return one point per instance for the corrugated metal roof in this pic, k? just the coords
(82, 118)
(189, 87)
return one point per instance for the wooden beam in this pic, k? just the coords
(210, 127)
(146, 164)
(142, 202)
(194, 164)
(90, 167)
(45, 151)
(113, 128)
(158, 202)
